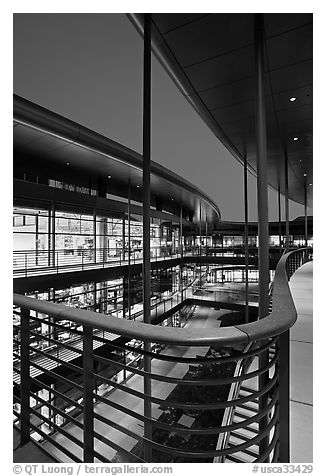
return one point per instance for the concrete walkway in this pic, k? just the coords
(301, 367)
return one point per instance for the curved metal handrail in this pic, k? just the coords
(282, 317)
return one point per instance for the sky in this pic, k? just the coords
(88, 67)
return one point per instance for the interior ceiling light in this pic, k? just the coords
(68, 163)
(293, 99)
(109, 176)
(305, 175)
(310, 184)
(138, 186)
(295, 138)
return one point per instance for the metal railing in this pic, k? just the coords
(88, 398)
(31, 262)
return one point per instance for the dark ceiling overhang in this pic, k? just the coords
(52, 140)
(296, 227)
(210, 57)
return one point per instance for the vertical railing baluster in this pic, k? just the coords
(24, 377)
(88, 376)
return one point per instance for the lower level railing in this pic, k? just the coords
(84, 401)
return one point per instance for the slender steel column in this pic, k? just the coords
(88, 385)
(94, 297)
(49, 237)
(24, 377)
(284, 398)
(262, 196)
(53, 232)
(200, 227)
(94, 234)
(123, 239)
(181, 250)
(279, 219)
(36, 239)
(206, 233)
(245, 190)
(305, 215)
(286, 199)
(146, 220)
(129, 252)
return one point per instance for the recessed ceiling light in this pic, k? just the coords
(68, 163)
(305, 175)
(293, 99)
(310, 184)
(295, 138)
(172, 199)
(138, 186)
(109, 176)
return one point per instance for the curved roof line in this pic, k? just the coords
(30, 114)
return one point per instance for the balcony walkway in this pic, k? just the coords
(301, 367)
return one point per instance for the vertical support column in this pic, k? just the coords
(284, 398)
(94, 298)
(53, 232)
(279, 219)
(36, 239)
(305, 216)
(286, 198)
(124, 295)
(129, 252)
(24, 376)
(200, 227)
(262, 197)
(146, 222)
(102, 240)
(94, 234)
(88, 379)
(206, 234)
(123, 239)
(49, 237)
(181, 249)
(245, 190)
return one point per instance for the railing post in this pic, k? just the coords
(24, 377)
(284, 398)
(88, 378)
